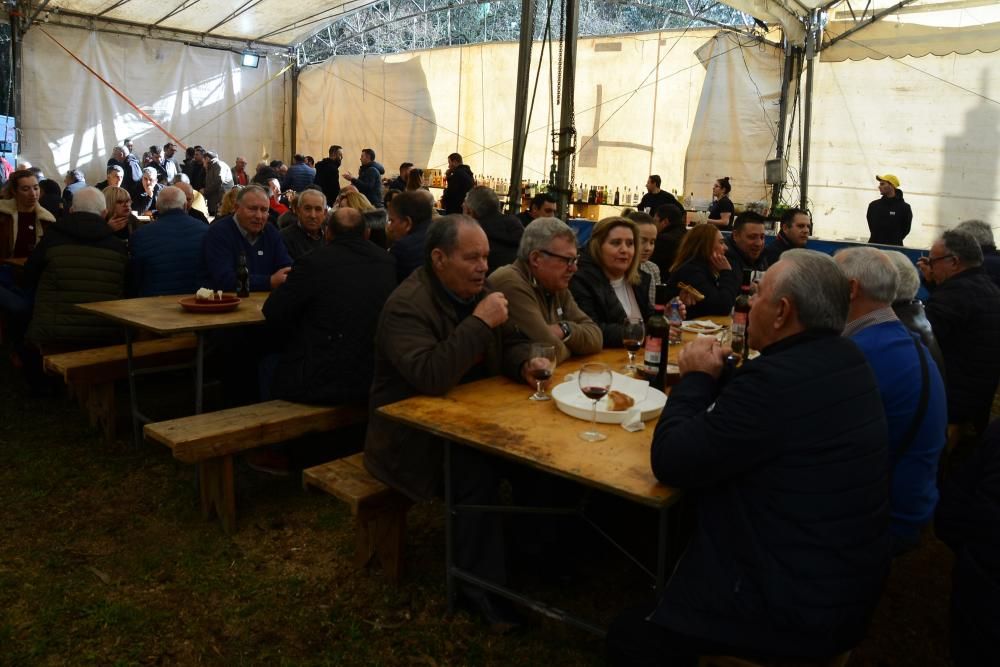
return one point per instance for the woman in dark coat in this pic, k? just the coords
(608, 285)
(701, 263)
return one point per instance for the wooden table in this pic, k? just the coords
(163, 315)
(16, 262)
(495, 416)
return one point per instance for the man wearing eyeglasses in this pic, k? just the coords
(964, 311)
(537, 289)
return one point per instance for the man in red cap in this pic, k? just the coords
(889, 218)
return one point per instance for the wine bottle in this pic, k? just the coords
(242, 277)
(617, 197)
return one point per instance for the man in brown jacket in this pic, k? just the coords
(441, 327)
(537, 289)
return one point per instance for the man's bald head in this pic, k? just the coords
(346, 222)
(188, 193)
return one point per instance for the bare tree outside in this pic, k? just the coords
(393, 26)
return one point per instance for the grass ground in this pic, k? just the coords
(105, 560)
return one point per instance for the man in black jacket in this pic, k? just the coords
(983, 234)
(889, 218)
(671, 225)
(330, 305)
(369, 180)
(460, 181)
(796, 226)
(746, 246)
(791, 546)
(328, 173)
(503, 231)
(964, 311)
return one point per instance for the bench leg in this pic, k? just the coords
(381, 532)
(218, 496)
(101, 407)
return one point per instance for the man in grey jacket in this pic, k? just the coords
(218, 180)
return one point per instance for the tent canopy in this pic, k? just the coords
(263, 22)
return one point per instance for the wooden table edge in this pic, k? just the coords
(672, 494)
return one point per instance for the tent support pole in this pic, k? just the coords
(567, 126)
(810, 56)
(521, 105)
(16, 55)
(791, 56)
(295, 109)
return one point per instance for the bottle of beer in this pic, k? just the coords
(242, 277)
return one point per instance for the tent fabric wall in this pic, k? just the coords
(737, 121)
(71, 120)
(934, 122)
(635, 106)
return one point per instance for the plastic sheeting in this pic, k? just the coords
(737, 121)
(202, 96)
(636, 100)
(270, 21)
(934, 122)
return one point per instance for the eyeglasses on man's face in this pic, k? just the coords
(931, 260)
(567, 260)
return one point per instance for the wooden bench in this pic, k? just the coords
(379, 511)
(91, 374)
(211, 439)
(729, 661)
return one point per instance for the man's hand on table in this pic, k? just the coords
(279, 277)
(492, 310)
(702, 355)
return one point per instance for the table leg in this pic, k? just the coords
(449, 527)
(133, 397)
(662, 550)
(199, 373)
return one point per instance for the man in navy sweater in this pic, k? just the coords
(917, 423)
(791, 547)
(246, 232)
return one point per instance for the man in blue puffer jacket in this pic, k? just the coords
(166, 255)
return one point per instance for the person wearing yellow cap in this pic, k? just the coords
(889, 218)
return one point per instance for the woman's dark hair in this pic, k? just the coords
(724, 184)
(415, 179)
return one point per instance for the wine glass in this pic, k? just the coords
(542, 364)
(595, 383)
(633, 332)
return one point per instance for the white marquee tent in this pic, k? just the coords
(914, 93)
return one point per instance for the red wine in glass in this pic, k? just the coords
(594, 393)
(541, 374)
(632, 345)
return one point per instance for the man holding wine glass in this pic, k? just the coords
(791, 547)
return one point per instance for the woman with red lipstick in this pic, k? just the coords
(608, 286)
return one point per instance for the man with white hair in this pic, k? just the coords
(537, 289)
(964, 310)
(166, 254)
(196, 206)
(79, 260)
(306, 234)
(791, 547)
(122, 157)
(144, 202)
(983, 234)
(911, 387)
(218, 180)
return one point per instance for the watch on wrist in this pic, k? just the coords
(565, 329)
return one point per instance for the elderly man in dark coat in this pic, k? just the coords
(442, 327)
(964, 311)
(331, 304)
(791, 546)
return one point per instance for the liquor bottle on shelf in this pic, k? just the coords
(617, 197)
(592, 195)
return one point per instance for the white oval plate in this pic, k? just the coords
(571, 400)
(701, 327)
